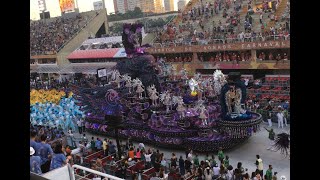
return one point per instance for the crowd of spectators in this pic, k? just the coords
(139, 159)
(42, 142)
(221, 22)
(185, 57)
(273, 55)
(226, 56)
(234, 56)
(101, 46)
(36, 83)
(48, 36)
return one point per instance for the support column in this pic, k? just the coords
(254, 55)
(49, 78)
(195, 58)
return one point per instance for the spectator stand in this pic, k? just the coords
(93, 156)
(148, 173)
(135, 168)
(112, 168)
(87, 160)
(91, 174)
(274, 88)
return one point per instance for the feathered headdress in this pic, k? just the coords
(132, 39)
(282, 143)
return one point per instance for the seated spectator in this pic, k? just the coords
(58, 159)
(285, 57)
(35, 162)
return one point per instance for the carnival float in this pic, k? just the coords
(158, 105)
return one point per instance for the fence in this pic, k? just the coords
(91, 173)
(220, 41)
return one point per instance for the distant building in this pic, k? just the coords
(97, 5)
(168, 5)
(181, 5)
(158, 6)
(120, 6)
(147, 5)
(132, 4)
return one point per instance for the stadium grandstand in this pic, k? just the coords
(248, 36)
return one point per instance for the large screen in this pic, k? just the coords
(102, 73)
(66, 5)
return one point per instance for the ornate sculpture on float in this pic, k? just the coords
(116, 77)
(211, 92)
(166, 99)
(203, 112)
(128, 81)
(219, 81)
(137, 83)
(173, 72)
(153, 94)
(180, 108)
(193, 84)
(233, 100)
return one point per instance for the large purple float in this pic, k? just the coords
(202, 114)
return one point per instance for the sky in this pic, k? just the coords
(84, 5)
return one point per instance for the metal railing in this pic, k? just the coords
(220, 41)
(107, 176)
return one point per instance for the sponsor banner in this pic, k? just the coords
(121, 53)
(222, 47)
(66, 5)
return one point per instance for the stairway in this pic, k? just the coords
(280, 10)
(92, 28)
(149, 38)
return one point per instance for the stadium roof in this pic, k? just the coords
(98, 53)
(86, 68)
(114, 39)
(48, 69)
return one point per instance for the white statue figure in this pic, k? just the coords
(197, 76)
(165, 98)
(219, 81)
(193, 84)
(210, 88)
(173, 72)
(202, 84)
(128, 81)
(184, 75)
(203, 115)
(203, 112)
(116, 77)
(180, 108)
(153, 94)
(137, 83)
